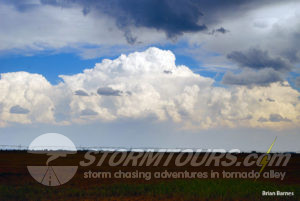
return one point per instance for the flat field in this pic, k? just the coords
(17, 184)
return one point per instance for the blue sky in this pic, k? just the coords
(52, 64)
(49, 66)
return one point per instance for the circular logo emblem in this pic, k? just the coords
(53, 145)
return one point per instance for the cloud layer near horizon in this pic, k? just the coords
(145, 85)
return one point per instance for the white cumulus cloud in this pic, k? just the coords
(145, 85)
(25, 98)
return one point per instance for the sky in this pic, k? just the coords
(151, 73)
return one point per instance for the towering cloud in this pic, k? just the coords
(142, 85)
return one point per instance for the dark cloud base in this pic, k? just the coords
(258, 59)
(250, 77)
(18, 110)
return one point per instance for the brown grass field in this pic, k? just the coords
(17, 184)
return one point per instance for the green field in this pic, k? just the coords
(168, 190)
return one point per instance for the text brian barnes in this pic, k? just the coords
(277, 193)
